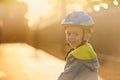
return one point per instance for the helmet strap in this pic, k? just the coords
(83, 41)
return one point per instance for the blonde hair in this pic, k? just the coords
(86, 28)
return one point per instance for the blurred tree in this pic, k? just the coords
(15, 25)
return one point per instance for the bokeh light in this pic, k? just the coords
(96, 8)
(105, 6)
(115, 2)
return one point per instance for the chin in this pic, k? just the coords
(73, 46)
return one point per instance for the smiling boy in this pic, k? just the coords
(82, 62)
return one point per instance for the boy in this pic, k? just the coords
(82, 62)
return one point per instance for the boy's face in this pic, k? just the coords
(74, 36)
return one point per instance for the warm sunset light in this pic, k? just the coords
(33, 42)
(37, 9)
(74, 6)
(41, 10)
(24, 59)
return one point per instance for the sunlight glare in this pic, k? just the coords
(37, 9)
(74, 7)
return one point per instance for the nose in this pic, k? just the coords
(70, 37)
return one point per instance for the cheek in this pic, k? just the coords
(67, 39)
(79, 38)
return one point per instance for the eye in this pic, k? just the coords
(68, 33)
(72, 34)
(75, 34)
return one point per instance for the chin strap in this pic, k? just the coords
(83, 41)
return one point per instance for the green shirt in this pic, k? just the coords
(84, 52)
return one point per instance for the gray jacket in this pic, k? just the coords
(76, 69)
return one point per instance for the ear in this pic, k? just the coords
(87, 35)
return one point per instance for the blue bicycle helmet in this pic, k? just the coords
(78, 18)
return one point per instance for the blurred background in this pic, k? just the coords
(32, 41)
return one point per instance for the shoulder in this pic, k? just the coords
(85, 51)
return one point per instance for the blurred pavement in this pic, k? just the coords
(23, 62)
